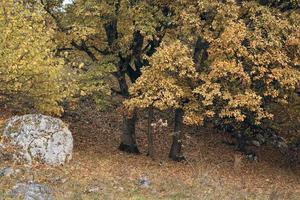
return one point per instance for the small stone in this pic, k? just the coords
(58, 180)
(144, 182)
(32, 191)
(282, 145)
(94, 189)
(251, 157)
(256, 143)
(64, 180)
(7, 171)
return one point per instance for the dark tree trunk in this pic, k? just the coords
(128, 139)
(200, 54)
(241, 145)
(241, 142)
(150, 134)
(175, 152)
(83, 47)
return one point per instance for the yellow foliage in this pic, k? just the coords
(165, 84)
(248, 54)
(30, 74)
(253, 59)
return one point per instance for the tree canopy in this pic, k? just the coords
(229, 63)
(30, 74)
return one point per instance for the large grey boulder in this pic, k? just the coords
(32, 191)
(38, 138)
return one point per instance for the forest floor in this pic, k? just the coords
(212, 170)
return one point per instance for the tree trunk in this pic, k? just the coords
(128, 139)
(150, 134)
(200, 54)
(175, 152)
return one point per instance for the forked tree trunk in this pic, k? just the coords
(175, 152)
(150, 134)
(128, 139)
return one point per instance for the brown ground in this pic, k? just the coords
(211, 172)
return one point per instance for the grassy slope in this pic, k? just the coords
(210, 173)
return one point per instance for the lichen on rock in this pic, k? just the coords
(37, 138)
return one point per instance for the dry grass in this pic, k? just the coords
(209, 173)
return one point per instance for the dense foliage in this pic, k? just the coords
(230, 63)
(30, 74)
(247, 61)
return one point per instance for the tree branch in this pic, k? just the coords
(83, 47)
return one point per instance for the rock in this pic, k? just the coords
(256, 143)
(251, 157)
(144, 182)
(38, 138)
(282, 144)
(94, 189)
(7, 171)
(58, 180)
(32, 191)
